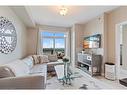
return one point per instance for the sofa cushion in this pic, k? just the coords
(52, 58)
(19, 68)
(6, 72)
(43, 59)
(39, 69)
(35, 59)
(29, 61)
(58, 62)
(52, 64)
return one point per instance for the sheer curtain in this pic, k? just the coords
(67, 50)
(39, 45)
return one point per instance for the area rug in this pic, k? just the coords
(51, 74)
(54, 83)
(83, 81)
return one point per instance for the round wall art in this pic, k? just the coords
(8, 36)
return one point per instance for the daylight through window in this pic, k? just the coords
(54, 43)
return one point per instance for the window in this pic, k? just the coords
(53, 43)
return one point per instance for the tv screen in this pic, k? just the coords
(93, 41)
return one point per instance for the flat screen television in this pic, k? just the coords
(93, 41)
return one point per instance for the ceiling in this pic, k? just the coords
(49, 15)
(24, 15)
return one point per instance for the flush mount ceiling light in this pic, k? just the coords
(63, 11)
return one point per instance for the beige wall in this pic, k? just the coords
(95, 26)
(77, 35)
(116, 16)
(106, 27)
(32, 40)
(98, 25)
(20, 50)
(78, 39)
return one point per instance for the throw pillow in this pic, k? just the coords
(43, 59)
(52, 58)
(35, 59)
(29, 61)
(6, 72)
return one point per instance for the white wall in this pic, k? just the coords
(121, 34)
(73, 47)
(20, 50)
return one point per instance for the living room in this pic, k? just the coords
(35, 47)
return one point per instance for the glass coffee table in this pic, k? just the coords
(64, 74)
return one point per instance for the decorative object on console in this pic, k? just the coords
(83, 51)
(8, 36)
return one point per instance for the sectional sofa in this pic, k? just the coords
(25, 74)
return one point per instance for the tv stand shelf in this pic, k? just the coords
(83, 69)
(90, 63)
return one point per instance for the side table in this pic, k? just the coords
(63, 73)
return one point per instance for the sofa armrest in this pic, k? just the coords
(25, 82)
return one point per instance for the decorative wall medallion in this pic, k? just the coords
(8, 36)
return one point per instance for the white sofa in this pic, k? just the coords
(22, 74)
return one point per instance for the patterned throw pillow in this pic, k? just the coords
(43, 59)
(35, 59)
(40, 59)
